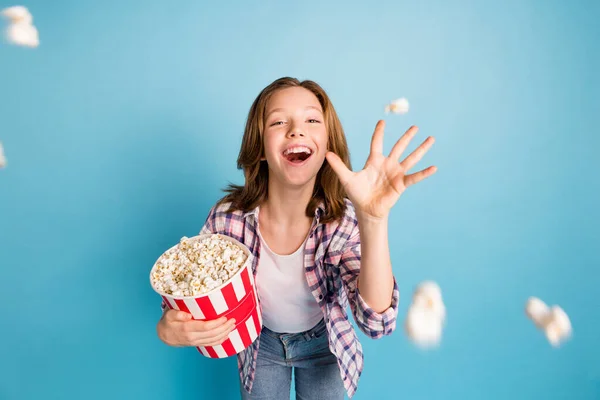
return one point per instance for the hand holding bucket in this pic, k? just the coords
(234, 299)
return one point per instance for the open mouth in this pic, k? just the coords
(297, 154)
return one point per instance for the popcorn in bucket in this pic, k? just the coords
(210, 276)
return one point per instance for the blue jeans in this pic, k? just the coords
(316, 372)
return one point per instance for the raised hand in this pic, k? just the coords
(377, 187)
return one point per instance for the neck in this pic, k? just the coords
(287, 205)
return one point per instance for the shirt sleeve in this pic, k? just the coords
(373, 324)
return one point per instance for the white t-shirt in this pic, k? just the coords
(288, 305)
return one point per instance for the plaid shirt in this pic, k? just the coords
(332, 265)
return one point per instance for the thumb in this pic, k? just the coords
(338, 167)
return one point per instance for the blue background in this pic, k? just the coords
(123, 126)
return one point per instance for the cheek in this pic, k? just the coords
(323, 140)
(270, 147)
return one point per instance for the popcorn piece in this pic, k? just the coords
(558, 327)
(429, 296)
(537, 311)
(398, 106)
(426, 315)
(423, 327)
(21, 31)
(197, 266)
(554, 322)
(23, 35)
(2, 157)
(18, 14)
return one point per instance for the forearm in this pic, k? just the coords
(376, 280)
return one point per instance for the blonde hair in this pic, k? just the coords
(328, 189)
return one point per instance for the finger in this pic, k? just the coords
(377, 139)
(419, 176)
(338, 167)
(416, 155)
(401, 144)
(176, 315)
(206, 326)
(219, 339)
(209, 336)
(199, 331)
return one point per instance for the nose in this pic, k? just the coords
(295, 131)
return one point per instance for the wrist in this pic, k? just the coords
(366, 221)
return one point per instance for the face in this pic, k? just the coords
(295, 136)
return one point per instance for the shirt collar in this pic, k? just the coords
(318, 211)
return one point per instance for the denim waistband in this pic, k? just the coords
(316, 330)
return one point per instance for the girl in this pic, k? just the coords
(319, 235)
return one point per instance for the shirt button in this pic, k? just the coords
(320, 297)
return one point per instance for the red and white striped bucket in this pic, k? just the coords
(236, 298)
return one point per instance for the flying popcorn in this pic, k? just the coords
(21, 30)
(18, 14)
(2, 157)
(553, 321)
(423, 327)
(558, 327)
(537, 311)
(399, 106)
(426, 315)
(195, 267)
(428, 295)
(23, 35)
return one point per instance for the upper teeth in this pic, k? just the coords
(297, 149)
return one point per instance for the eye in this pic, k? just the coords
(276, 123)
(312, 120)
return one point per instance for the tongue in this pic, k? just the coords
(296, 157)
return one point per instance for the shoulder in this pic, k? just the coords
(343, 230)
(224, 210)
(221, 217)
(347, 217)
(221, 208)
(347, 225)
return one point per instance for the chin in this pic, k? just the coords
(299, 183)
(298, 180)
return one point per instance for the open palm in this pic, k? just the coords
(377, 187)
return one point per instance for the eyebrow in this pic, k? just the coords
(306, 108)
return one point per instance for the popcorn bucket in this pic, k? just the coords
(237, 298)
